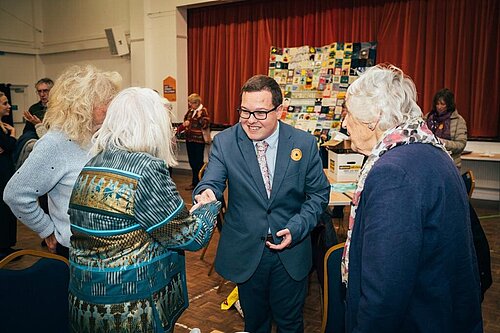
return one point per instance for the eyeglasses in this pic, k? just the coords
(259, 115)
(43, 91)
(370, 125)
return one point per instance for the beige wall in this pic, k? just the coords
(43, 37)
(46, 36)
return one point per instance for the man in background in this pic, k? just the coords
(36, 112)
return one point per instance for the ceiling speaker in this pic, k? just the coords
(117, 41)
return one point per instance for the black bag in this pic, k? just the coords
(482, 251)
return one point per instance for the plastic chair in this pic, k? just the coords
(334, 292)
(35, 299)
(470, 182)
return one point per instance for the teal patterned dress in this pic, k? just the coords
(129, 230)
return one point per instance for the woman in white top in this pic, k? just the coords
(76, 109)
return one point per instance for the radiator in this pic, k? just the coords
(487, 175)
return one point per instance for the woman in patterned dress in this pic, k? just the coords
(130, 225)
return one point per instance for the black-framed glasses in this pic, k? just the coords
(259, 115)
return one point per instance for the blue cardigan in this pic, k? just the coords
(412, 263)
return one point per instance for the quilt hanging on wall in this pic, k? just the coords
(314, 81)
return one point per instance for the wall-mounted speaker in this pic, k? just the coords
(117, 41)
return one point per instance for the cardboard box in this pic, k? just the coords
(344, 167)
(340, 147)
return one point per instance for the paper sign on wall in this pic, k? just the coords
(170, 89)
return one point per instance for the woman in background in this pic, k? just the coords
(195, 120)
(445, 122)
(76, 109)
(8, 224)
(409, 262)
(130, 225)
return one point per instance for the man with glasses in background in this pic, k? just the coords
(36, 112)
(277, 191)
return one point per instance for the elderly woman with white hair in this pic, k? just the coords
(130, 225)
(409, 262)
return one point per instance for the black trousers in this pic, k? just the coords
(271, 294)
(482, 248)
(196, 153)
(62, 250)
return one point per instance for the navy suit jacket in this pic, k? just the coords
(300, 193)
(412, 264)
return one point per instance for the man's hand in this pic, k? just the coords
(31, 118)
(285, 241)
(204, 197)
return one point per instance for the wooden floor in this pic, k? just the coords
(205, 297)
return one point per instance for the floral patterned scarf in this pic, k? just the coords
(413, 131)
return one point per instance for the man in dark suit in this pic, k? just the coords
(277, 191)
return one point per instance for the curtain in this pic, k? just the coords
(439, 43)
(5, 88)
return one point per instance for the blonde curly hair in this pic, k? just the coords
(75, 95)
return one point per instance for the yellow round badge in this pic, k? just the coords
(296, 154)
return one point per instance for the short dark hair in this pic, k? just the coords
(447, 96)
(263, 82)
(45, 80)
